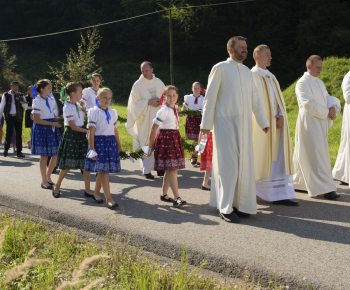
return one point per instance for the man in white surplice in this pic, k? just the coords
(341, 170)
(230, 99)
(273, 159)
(143, 106)
(317, 110)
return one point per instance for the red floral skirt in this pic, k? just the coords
(168, 151)
(207, 155)
(192, 127)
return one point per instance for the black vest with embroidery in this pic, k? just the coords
(19, 109)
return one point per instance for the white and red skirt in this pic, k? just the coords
(192, 127)
(207, 155)
(168, 151)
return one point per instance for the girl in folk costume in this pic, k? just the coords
(206, 161)
(45, 137)
(168, 150)
(104, 145)
(194, 102)
(73, 145)
(89, 99)
(28, 114)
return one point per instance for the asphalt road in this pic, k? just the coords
(304, 245)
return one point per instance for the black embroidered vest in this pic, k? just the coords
(19, 109)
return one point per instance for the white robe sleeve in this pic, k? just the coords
(308, 102)
(346, 89)
(259, 109)
(211, 96)
(136, 106)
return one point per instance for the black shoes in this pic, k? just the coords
(6, 152)
(160, 173)
(88, 195)
(162, 198)
(240, 213)
(46, 186)
(20, 155)
(149, 176)
(287, 202)
(230, 218)
(344, 183)
(332, 195)
(97, 200)
(56, 195)
(113, 206)
(205, 188)
(178, 202)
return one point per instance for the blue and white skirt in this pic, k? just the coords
(44, 141)
(108, 160)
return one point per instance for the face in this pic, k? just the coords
(147, 71)
(78, 94)
(14, 89)
(30, 91)
(47, 90)
(264, 58)
(95, 81)
(105, 100)
(196, 90)
(316, 68)
(171, 98)
(240, 51)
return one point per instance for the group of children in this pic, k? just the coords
(96, 149)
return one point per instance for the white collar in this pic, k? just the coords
(147, 81)
(311, 76)
(265, 71)
(231, 60)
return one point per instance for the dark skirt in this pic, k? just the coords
(72, 150)
(108, 160)
(168, 152)
(44, 141)
(192, 127)
(28, 122)
(2, 121)
(207, 155)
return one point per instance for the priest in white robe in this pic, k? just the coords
(341, 169)
(317, 110)
(143, 106)
(273, 159)
(231, 97)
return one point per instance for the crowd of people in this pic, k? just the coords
(243, 124)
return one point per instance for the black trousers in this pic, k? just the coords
(10, 124)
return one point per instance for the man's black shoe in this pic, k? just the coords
(241, 214)
(230, 218)
(6, 152)
(344, 183)
(332, 195)
(20, 155)
(287, 202)
(149, 176)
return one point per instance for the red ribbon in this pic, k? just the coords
(196, 100)
(161, 100)
(203, 91)
(176, 113)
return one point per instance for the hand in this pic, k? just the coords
(332, 114)
(205, 132)
(22, 102)
(267, 129)
(94, 158)
(57, 125)
(120, 149)
(279, 121)
(153, 102)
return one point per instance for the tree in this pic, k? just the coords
(7, 65)
(79, 64)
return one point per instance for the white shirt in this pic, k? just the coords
(13, 106)
(98, 118)
(266, 72)
(70, 113)
(39, 107)
(89, 98)
(166, 118)
(189, 102)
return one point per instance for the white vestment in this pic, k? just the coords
(341, 170)
(272, 151)
(230, 98)
(140, 114)
(312, 164)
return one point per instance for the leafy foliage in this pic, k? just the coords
(79, 64)
(7, 66)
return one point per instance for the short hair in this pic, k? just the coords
(73, 87)
(196, 83)
(312, 58)
(102, 93)
(146, 62)
(233, 40)
(168, 88)
(96, 75)
(41, 84)
(259, 48)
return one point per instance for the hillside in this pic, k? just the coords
(334, 70)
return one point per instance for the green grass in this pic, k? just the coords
(126, 268)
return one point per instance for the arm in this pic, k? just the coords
(209, 103)
(45, 123)
(24, 103)
(92, 140)
(152, 135)
(306, 99)
(117, 139)
(258, 109)
(346, 88)
(76, 128)
(2, 105)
